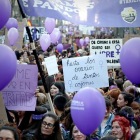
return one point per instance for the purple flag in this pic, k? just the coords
(99, 13)
(19, 93)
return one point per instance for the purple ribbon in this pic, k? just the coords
(38, 117)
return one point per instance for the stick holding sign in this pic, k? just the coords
(3, 115)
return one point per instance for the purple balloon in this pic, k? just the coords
(130, 60)
(87, 40)
(8, 65)
(88, 110)
(59, 47)
(81, 41)
(45, 41)
(49, 24)
(13, 36)
(55, 35)
(5, 10)
(12, 23)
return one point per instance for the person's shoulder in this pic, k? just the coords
(67, 137)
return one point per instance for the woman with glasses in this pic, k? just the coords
(49, 128)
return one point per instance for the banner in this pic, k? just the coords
(110, 47)
(87, 71)
(19, 43)
(99, 13)
(51, 65)
(19, 93)
(39, 32)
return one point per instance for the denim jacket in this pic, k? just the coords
(108, 126)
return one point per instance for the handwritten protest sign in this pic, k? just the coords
(19, 93)
(51, 65)
(88, 71)
(3, 115)
(110, 47)
(19, 43)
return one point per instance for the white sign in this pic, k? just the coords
(87, 71)
(39, 32)
(110, 47)
(51, 65)
(2, 38)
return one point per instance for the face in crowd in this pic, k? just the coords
(70, 95)
(77, 135)
(54, 90)
(6, 135)
(121, 102)
(116, 130)
(47, 126)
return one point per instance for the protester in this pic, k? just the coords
(106, 123)
(136, 109)
(120, 128)
(9, 132)
(124, 99)
(35, 121)
(59, 103)
(113, 96)
(75, 134)
(134, 92)
(49, 128)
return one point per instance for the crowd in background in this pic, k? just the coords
(122, 98)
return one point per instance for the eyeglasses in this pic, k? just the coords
(49, 125)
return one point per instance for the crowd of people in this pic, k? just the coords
(122, 98)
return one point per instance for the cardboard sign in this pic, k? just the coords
(19, 93)
(3, 115)
(87, 71)
(51, 65)
(19, 43)
(78, 33)
(110, 47)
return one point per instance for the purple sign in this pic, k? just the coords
(19, 93)
(100, 13)
(66, 46)
(78, 43)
